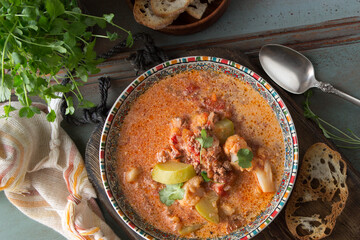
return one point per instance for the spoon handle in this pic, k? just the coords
(328, 88)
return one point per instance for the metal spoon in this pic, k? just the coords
(294, 72)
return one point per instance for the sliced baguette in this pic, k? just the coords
(196, 9)
(145, 16)
(166, 8)
(319, 195)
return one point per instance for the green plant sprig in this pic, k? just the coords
(351, 140)
(38, 38)
(205, 141)
(171, 192)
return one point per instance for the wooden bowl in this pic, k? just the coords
(186, 24)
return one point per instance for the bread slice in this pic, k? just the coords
(319, 195)
(196, 9)
(145, 16)
(166, 8)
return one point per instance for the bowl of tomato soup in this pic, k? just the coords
(198, 147)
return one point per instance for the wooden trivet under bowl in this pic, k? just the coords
(347, 224)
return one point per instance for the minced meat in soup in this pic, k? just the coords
(200, 154)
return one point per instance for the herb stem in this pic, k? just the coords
(57, 81)
(72, 52)
(16, 15)
(342, 137)
(352, 133)
(80, 96)
(36, 44)
(3, 54)
(96, 17)
(26, 97)
(2, 61)
(85, 42)
(335, 128)
(99, 36)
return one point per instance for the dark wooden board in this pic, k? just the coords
(348, 223)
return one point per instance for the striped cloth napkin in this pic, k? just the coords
(43, 175)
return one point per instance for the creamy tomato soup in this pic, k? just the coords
(200, 154)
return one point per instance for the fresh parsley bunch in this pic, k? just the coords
(38, 39)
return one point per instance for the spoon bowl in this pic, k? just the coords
(294, 72)
(289, 69)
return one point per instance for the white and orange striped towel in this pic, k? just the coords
(43, 175)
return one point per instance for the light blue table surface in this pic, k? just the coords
(338, 65)
(14, 225)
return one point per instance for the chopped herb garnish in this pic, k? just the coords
(171, 192)
(245, 157)
(350, 139)
(205, 141)
(205, 177)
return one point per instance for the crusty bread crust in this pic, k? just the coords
(166, 8)
(319, 195)
(196, 9)
(145, 16)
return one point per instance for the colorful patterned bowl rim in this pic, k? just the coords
(208, 63)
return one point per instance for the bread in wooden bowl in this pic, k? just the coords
(319, 195)
(166, 8)
(143, 14)
(196, 9)
(192, 19)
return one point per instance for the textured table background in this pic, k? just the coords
(334, 48)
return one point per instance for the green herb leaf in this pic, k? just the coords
(109, 17)
(8, 109)
(60, 88)
(43, 22)
(87, 36)
(51, 116)
(129, 40)
(18, 59)
(26, 112)
(90, 21)
(112, 36)
(60, 49)
(77, 28)
(70, 106)
(69, 110)
(86, 104)
(170, 193)
(245, 157)
(204, 140)
(76, 10)
(69, 39)
(35, 109)
(205, 177)
(54, 8)
(4, 93)
(101, 23)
